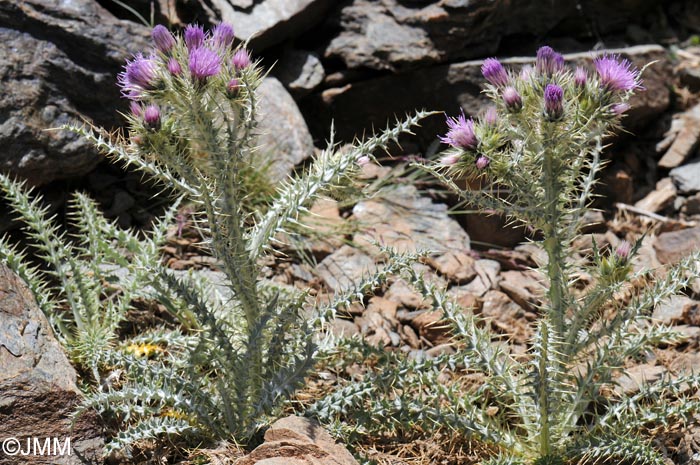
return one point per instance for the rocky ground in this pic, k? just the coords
(359, 63)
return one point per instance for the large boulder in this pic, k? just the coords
(398, 34)
(267, 22)
(38, 392)
(59, 63)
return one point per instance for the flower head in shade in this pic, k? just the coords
(194, 36)
(491, 116)
(548, 61)
(482, 162)
(222, 35)
(241, 59)
(616, 74)
(526, 73)
(623, 250)
(553, 101)
(460, 133)
(136, 109)
(162, 38)
(620, 108)
(580, 77)
(204, 63)
(233, 87)
(493, 71)
(151, 116)
(449, 160)
(174, 67)
(139, 75)
(514, 101)
(363, 161)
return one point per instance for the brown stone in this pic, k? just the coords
(685, 133)
(661, 197)
(295, 440)
(506, 316)
(38, 391)
(672, 246)
(456, 266)
(431, 326)
(524, 287)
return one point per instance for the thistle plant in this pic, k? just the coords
(536, 155)
(234, 361)
(78, 285)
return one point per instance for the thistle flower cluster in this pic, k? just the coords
(197, 60)
(548, 93)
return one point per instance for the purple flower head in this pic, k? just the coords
(204, 63)
(174, 67)
(241, 59)
(163, 39)
(553, 101)
(580, 77)
(548, 61)
(449, 160)
(616, 74)
(512, 98)
(493, 71)
(482, 162)
(151, 116)
(136, 109)
(491, 116)
(623, 250)
(620, 108)
(233, 87)
(139, 75)
(223, 35)
(460, 133)
(194, 36)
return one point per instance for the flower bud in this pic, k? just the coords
(449, 160)
(623, 250)
(174, 67)
(232, 88)
(493, 71)
(222, 35)
(620, 108)
(512, 98)
(162, 38)
(580, 77)
(363, 161)
(151, 116)
(526, 73)
(136, 109)
(491, 116)
(241, 60)
(548, 61)
(553, 102)
(482, 162)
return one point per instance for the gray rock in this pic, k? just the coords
(267, 22)
(284, 138)
(687, 177)
(60, 61)
(397, 35)
(38, 391)
(300, 71)
(345, 267)
(370, 103)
